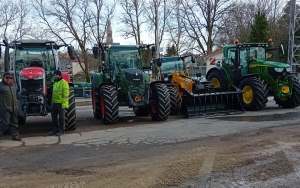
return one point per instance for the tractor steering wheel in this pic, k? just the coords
(36, 62)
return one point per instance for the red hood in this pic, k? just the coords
(32, 72)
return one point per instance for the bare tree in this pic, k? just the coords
(74, 21)
(202, 19)
(8, 17)
(131, 19)
(157, 13)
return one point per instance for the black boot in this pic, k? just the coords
(15, 138)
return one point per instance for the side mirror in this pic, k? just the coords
(102, 56)
(71, 52)
(153, 49)
(96, 52)
(159, 62)
(281, 50)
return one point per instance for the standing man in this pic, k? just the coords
(9, 107)
(60, 102)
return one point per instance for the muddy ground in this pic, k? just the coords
(267, 157)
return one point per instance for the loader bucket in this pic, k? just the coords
(209, 102)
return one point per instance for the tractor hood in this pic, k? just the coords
(269, 64)
(32, 73)
(134, 77)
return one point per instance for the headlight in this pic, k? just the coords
(23, 77)
(38, 77)
(288, 69)
(279, 69)
(166, 78)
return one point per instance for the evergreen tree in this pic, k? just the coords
(259, 29)
(171, 50)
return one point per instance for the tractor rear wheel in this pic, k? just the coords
(217, 79)
(255, 95)
(96, 103)
(109, 104)
(70, 116)
(160, 110)
(294, 100)
(141, 111)
(174, 99)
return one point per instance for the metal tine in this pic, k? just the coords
(199, 98)
(216, 104)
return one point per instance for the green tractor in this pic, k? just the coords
(246, 66)
(121, 81)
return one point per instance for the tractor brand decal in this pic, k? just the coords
(136, 74)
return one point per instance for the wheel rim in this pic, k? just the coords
(247, 95)
(215, 82)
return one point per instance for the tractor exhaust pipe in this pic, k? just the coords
(6, 56)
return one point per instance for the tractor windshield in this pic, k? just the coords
(34, 57)
(172, 65)
(255, 53)
(127, 59)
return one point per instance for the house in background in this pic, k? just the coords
(213, 58)
(65, 60)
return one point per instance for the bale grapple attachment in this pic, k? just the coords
(211, 101)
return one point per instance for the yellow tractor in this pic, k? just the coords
(193, 96)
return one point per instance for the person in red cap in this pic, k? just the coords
(9, 107)
(60, 102)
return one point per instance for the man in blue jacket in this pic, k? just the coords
(9, 107)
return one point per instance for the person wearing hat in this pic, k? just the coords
(60, 102)
(9, 107)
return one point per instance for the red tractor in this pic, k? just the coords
(33, 63)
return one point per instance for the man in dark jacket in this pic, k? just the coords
(8, 107)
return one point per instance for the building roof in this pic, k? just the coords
(219, 50)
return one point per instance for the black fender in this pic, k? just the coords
(247, 76)
(220, 69)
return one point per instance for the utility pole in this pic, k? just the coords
(156, 30)
(294, 46)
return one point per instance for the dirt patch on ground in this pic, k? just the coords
(249, 159)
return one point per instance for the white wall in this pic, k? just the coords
(218, 56)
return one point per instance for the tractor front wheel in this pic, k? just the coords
(96, 103)
(160, 109)
(255, 93)
(70, 115)
(294, 100)
(174, 99)
(217, 79)
(109, 104)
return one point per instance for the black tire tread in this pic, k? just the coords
(70, 115)
(111, 111)
(162, 98)
(260, 93)
(174, 100)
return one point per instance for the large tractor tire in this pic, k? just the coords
(109, 104)
(174, 100)
(160, 110)
(96, 103)
(142, 111)
(70, 115)
(217, 79)
(292, 102)
(255, 93)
